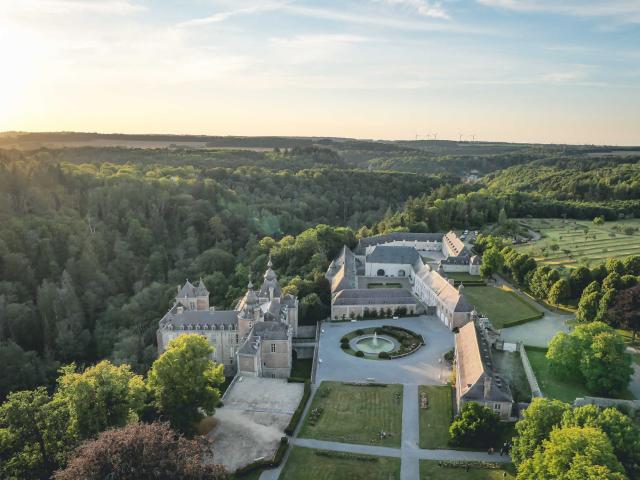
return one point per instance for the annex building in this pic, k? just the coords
(405, 258)
(255, 338)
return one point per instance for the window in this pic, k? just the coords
(273, 375)
(273, 348)
(496, 406)
(237, 338)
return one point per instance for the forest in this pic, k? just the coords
(94, 240)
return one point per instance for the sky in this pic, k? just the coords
(549, 71)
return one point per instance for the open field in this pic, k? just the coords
(570, 243)
(355, 414)
(307, 463)
(435, 420)
(430, 470)
(566, 390)
(503, 308)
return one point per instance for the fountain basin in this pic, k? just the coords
(373, 344)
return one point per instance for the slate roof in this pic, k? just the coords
(396, 237)
(449, 295)
(270, 281)
(199, 318)
(270, 330)
(393, 254)
(374, 296)
(342, 272)
(188, 290)
(473, 357)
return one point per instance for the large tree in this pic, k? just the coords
(184, 381)
(625, 310)
(573, 453)
(538, 420)
(596, 354)
(142, 452)
(476, 426)
(491, 262)
(101, 397)
(622, 431)
(35, 435)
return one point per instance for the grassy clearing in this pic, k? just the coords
(306, 463)
(582, 242)
(356, 414)
(431, 470)
(435, 420)
(503, 308)
(561, 389)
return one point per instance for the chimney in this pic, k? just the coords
(212, 309)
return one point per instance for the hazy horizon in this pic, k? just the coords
(526, 71)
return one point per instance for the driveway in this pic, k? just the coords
(420, 368)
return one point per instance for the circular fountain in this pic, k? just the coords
(374, 344)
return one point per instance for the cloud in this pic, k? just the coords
(624, 11)
(222, 16)
(422, 7)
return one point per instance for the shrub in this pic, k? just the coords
(295, 418)
(359, 353)
(384, 355)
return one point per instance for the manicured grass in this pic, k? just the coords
(503, 308)
(435, 420)
(310, 464)
(356, 414)
(430, 470)
(565, 390)
(581, 242)
(301, 368)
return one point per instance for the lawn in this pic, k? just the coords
(435, 420)
(301, 368)
(503, 308)
(430, 470)
(307, 463)
(355, 414)
(565, 390)
(569, 243)
(551, 386)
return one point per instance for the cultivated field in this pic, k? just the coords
(432, 470)
(436, 419)
(570, 243)
(355, 414)
(306, 463)
(503, 308)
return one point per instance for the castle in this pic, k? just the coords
(255, 338)
(402, 259)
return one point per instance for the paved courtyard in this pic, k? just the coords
(422, 367)
(252, 421)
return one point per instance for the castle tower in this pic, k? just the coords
(270, 287)
(250, 311)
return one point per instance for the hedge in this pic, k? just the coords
(295, 418)
(263, 464)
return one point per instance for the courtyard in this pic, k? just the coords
(421, 367)
(252, 420)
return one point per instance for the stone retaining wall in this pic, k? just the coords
(528, 370)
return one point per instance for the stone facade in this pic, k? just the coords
(253, 339)
(397, 256)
